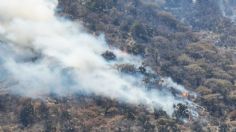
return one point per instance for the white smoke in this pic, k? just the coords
(194, 1)
(228, 8)
(168, 82)
(45, 54)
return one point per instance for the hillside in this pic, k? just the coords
(193, 43)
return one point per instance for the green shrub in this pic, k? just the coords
(139, 32)
(203, 90)
(100, 5)
(201, 50)
(219, 85)
(195, 68)
(221, 74)
(127, 68)
(232, 96)
(184, 59)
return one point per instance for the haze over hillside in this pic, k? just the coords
(129, 65)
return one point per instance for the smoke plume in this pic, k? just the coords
(42, 54)
(228, 8)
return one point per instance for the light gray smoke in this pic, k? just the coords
(43, 54)
(228, 8)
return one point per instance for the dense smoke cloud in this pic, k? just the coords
(44, 54)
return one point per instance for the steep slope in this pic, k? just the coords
(191, 52)
(170, 47)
